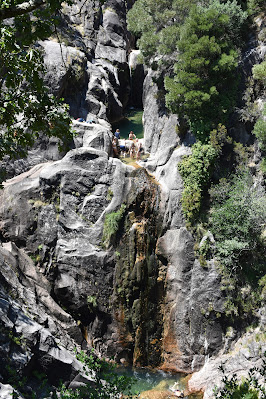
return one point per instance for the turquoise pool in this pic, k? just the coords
(132, 121)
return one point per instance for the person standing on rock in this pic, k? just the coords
(139, 149)
(132, 151)
(131, 136)
(117, 134)
(115, 147)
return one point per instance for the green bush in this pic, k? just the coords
(254, 7)
(238, 218)
(260, 132)
(238, 214)
(111, 224)
(259, 71)
(263, 166)
(219, 137)
(195, 171)
(262, 284)
(191, 203)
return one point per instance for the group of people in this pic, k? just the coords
(132, 146)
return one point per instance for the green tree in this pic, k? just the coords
(205, 75)
(259, 72)
(156, 23)
(26, 106)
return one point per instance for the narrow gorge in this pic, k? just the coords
(96, 253)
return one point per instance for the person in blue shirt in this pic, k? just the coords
(117, 134)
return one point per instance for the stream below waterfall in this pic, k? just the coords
(152, 381)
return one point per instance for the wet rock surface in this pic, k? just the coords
(139, 276)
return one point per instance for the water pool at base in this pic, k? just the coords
(146, 380)
(131, 121)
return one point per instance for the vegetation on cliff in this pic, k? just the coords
(111, 225)
(198, 48)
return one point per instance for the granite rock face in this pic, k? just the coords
(159, 129)
(52, 259)
(37, 335)
(91, 73)
(141, 296)
(188, 335)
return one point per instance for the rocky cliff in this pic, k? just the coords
(139, 295)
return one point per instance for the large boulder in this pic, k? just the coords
(96, 135)
(65, 66)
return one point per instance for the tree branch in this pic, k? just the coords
(20, 9)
